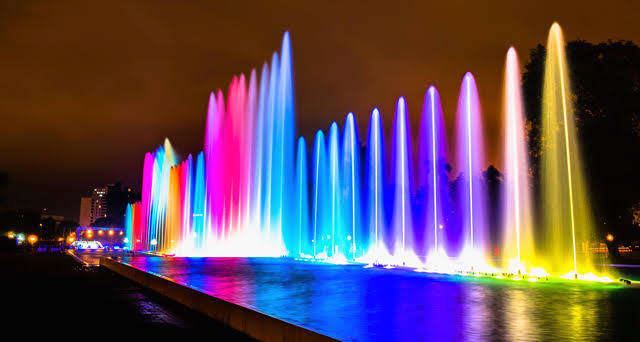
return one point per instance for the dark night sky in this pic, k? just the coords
(86, 87)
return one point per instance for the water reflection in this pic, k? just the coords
(351, 303)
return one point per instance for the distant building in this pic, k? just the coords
(106, 206)
(85, 211)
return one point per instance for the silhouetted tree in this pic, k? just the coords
(493, 181)
(605, 81)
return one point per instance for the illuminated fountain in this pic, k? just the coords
(566, 212)
(320, 200)
(374, 172)
(352, 188)
(470, 189)
(302, 208)
(401, 173)
(516, 197)
(434, 179)
(254, 192)
(335, 235)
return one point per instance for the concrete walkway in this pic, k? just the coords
(53, 290)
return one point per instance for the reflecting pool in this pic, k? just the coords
(349, 302)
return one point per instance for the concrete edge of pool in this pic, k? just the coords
(253, 323)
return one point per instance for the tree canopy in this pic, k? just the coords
(605, 80)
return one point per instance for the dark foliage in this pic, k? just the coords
(605, 82)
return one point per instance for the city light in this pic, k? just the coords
(111, 232)
(32, 239)
(11, 235)
(609, 237)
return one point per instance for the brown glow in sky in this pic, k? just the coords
(88, 86)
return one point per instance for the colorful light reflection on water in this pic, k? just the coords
(394, 305)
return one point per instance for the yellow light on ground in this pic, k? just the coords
(32, 239)
(609, 237)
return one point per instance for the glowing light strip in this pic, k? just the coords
(566, 142)
(353, 184)
(315, 203)
(433, 157)
(334, 178)
(377, 162)
(469, 156)
(403, 171)
(300, 166)
(517, 174)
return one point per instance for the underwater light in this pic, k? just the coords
(538, 273)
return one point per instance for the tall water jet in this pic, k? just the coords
(164, 159)
(249, 154)
(320, 198)
(517, 239)
(283, 144)
(470, 161)
(128, 224)
(432, 177)
(400, 163)
(335, 190)
(270, 108)
(375, 185)
(230, 206)
(213, 149)
(260, 151)
(198, 207)
(302, 198)
(351, 185)
(567, 221)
